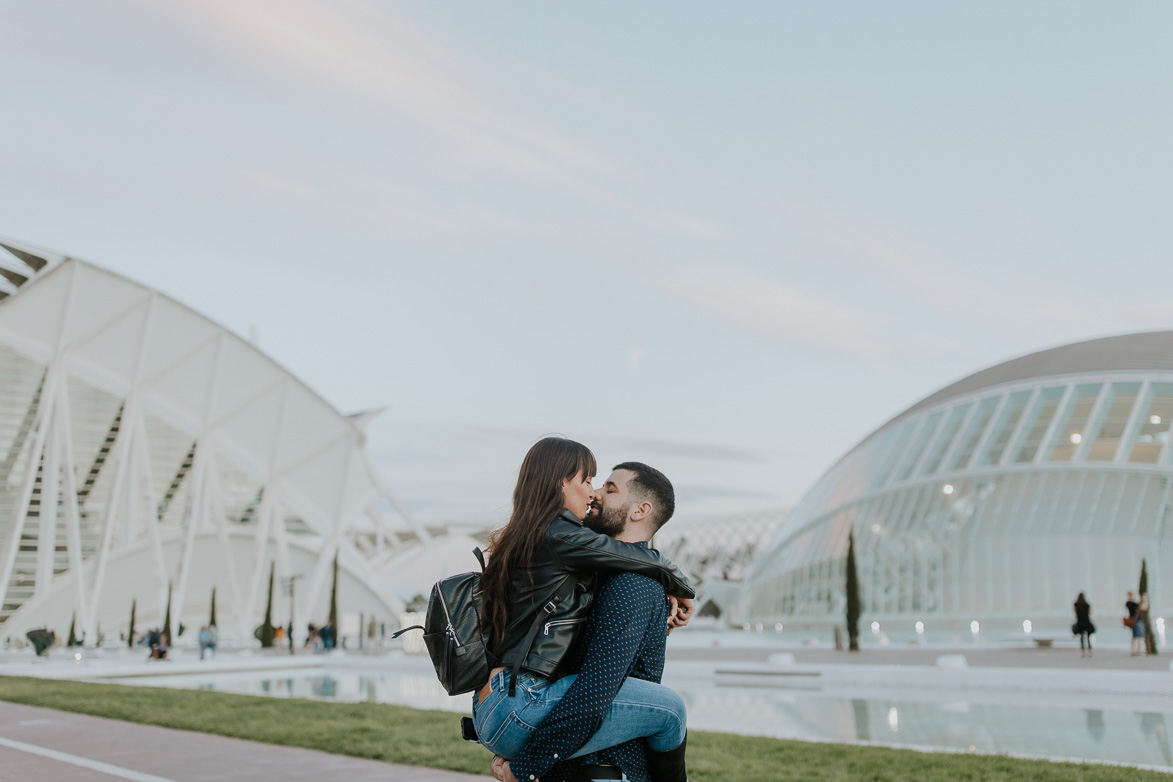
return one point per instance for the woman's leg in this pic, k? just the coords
(645, 710)
(504, 723)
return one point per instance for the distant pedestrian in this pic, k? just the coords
(327, 633)
(205, 640)
(1083, 626)
(1132, 621)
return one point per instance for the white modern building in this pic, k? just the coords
(146, 449)
(995, 501)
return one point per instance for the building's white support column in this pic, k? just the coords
(378, 535)
(322, 570)
(285, 570)
(50, 485)
(260, 550)
(237, 610)
(195, 511)
(119, 458)
(73, 516)
(41, 429)
(377, 479)
(141, 478)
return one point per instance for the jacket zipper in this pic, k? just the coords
(562, 622)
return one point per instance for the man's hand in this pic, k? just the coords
(680, 610)
(500, 769)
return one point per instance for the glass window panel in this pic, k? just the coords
(1004, 428)
(1153, 432)
(973, 432)
(1073, 424)
(923, 437)
(945, 439)
(1035, 428)
(893, 456)
(1116, 411)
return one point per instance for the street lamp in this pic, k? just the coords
(288, 586)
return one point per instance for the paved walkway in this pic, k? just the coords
(45, 745)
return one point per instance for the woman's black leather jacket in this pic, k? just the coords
(572, 551)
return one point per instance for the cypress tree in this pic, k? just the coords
(852, 595)
(267, 629)
(334, 601)
(130, 632)
(1150, 642)
(167, 618)
(72, 641)
(212, 620)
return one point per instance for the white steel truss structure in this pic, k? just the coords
(997, 499)
(146, 451)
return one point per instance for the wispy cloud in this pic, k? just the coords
(1018, 304)
(324, 191)
(764, 306)
(361, 51)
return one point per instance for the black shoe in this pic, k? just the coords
(668, 766)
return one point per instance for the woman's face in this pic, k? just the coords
(577, 493)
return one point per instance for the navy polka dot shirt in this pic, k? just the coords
(624, 637)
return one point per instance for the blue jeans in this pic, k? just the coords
(641, 709)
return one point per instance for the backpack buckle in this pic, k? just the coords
(549, 607)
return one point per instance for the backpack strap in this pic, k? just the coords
(565, 590)
(480, 555)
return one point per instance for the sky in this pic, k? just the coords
(729, 240)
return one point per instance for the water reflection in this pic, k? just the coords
(1121, 735)
(1113, 732)
(862, 730)
(1095, 723)
(1152, 725)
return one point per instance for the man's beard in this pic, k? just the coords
(608, 521)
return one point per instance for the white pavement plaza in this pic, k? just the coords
(43, 745)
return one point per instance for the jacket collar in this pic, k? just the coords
(568, 516)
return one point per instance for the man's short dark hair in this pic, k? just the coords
(652, 485)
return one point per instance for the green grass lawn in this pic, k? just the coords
(432, 738)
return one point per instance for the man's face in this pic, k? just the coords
(612, 507)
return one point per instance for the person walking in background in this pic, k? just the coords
(1132, 621)
(204, 641)
(1083, 626)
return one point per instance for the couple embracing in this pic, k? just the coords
(579, 609)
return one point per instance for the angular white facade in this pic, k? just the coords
(997, 499)
(144, 447)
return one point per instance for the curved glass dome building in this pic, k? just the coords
(996, 499)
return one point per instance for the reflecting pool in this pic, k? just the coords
(1124, 728)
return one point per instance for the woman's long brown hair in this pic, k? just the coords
(537, 501)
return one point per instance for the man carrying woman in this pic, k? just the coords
(534, 560)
